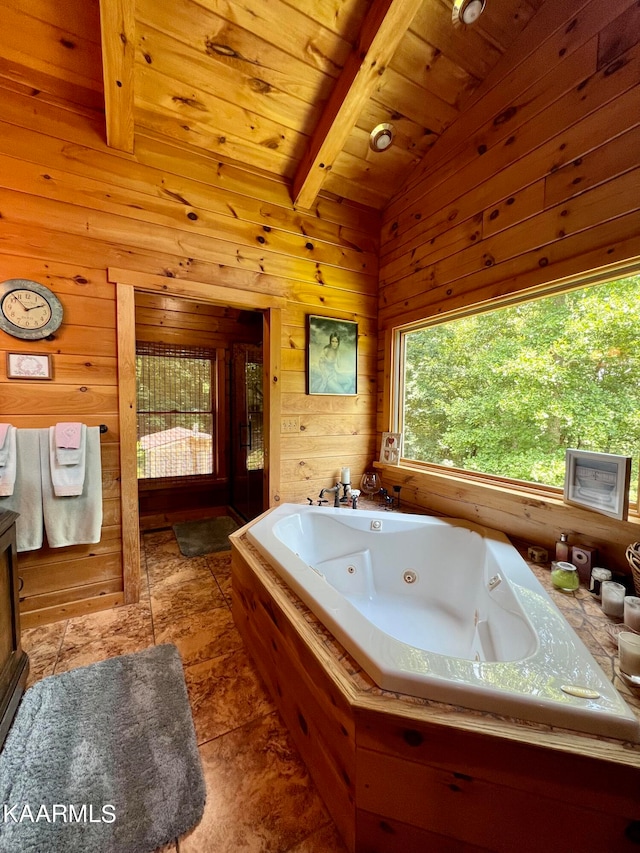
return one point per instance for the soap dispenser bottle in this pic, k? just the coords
(562, 548)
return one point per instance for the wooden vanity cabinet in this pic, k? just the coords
(14, 663)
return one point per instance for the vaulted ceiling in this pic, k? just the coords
(287, 87)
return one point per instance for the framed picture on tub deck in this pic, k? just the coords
(598, 481)
(29, 365)
(332, 356)
(391, 448)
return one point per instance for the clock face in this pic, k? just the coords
(28, 310)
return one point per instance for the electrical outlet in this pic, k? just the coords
(290, 424)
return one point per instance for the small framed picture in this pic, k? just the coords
(332, 356)
(391, 447)
(598, 481)
(29, 365)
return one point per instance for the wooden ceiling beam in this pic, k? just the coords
(383, 28)
(117, 26)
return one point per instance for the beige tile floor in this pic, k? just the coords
(259, 794)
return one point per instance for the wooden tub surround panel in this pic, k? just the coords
(404, 775)
(316, 711)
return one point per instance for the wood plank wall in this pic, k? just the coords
(70, 208)
(538, 180)
(183, 322)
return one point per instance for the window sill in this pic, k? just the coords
(505, 483)
(153, 484)
(468, 487)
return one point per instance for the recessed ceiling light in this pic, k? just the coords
(381, 137)
(467, 11)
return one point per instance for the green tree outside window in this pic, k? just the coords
(507, 391)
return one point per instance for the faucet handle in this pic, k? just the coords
(321, 501)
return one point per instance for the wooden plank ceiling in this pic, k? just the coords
(290, 88)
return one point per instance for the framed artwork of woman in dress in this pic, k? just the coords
(332, 356)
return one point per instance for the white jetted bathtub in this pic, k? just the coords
(443, 610)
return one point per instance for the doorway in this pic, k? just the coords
(199, 408)
(127, 284)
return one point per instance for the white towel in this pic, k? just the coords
(73, 519)
(66, 456)
(5, 429)
(8, 467)
(69, 434)
(69, 441)
(27, 494)
(67, 478)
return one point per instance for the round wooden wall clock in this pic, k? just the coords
(28, 310)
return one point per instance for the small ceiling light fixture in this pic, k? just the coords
(467, 11)
(381, 137)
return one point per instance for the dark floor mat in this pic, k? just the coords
(204, 536)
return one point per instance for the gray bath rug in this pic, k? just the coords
(204, 536)
(102, 759)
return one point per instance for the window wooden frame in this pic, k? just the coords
(394, 364)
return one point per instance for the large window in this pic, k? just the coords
(176, 394)
(507, 391)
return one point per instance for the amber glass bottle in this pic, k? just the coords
(562, 547)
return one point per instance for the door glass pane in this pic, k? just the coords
(253, 381)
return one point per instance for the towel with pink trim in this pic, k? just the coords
(67, 473)
(68, 434)
(72, 494)
(68, 441)
(8, 459)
